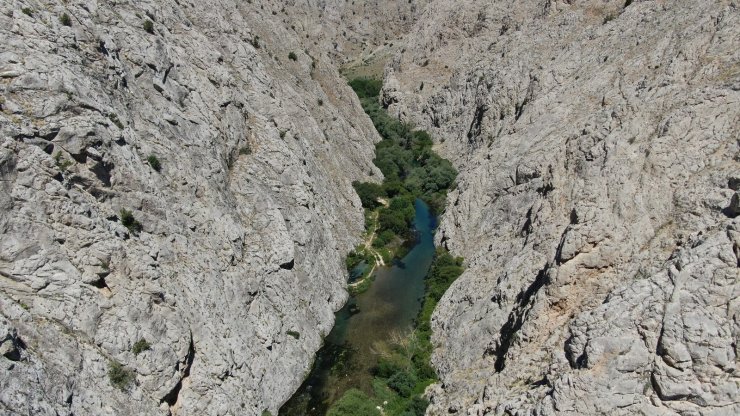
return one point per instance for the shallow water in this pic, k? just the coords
(386, 310)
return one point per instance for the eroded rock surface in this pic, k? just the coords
(243, 228)
(596, 206)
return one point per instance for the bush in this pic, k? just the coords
(417, 406)
(292, 56)
(366, 87)
(149, 26)
(369, 193)
(154, 163)
(386, 368)
(403, 383)
(245, 150)
(119, 376)
(353, 403)
(294, 334)
(27, 11)
(62, 163)
(140, 346)
(128, 221)
(65, 20)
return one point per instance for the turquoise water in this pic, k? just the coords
(367, 324)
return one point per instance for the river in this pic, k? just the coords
(366, 325)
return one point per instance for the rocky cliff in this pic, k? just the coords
(597, 203)
(229, 137)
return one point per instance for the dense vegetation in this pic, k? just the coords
(412, 170)
(405, 156)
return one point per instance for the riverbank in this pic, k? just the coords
(376, 359)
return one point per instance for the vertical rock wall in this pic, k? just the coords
(599, 156)
(243, 228)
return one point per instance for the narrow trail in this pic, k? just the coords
(369, 246)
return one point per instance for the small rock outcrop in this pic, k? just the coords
(596, 206)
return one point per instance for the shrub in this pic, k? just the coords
(149, 26)
(65, 20)
(386, 368)
(418, 406)
(27, 11)
(114, 118)
(320, 102)
(140, 346)
(256, 42)
(353, 403)
(120, 376)
(403, 383)
(294, 334)
(62, 164)
(292, 56)
(245, 150)
(366, 87)
(368, 193)
(154, 162)
(128, 221)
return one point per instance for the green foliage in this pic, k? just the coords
(114, 118)
(27, 11)
(245, 150)
(387, 367)
(154, 163)
(369, 193)
(62, 163)
(128, 221)
(292, 56)
(149, 26)
(412, 170)
(357, 256)
(353, 403)
(417, 406)
(403, 383)
(366, 87)
(405, 155)
(266, 413)
(65, 20)
(120, 376)
(140, 346)
(294, 334)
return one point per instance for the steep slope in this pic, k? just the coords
(597, 203)
(244, 224)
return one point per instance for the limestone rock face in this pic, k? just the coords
(596, 206)
(233, 163)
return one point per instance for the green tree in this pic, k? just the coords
(369, 193)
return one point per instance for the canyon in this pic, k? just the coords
(176, 199)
